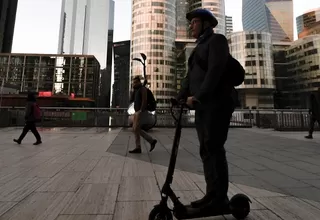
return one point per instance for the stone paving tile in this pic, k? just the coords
(87, 173)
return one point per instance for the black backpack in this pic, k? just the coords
(235, 73)
(151, 101)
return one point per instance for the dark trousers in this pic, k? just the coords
(212, 125)
(313, 120)
(138, 120)
(30, 126)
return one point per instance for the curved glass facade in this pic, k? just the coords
(154, 33)
(253, 50)
(217, 7)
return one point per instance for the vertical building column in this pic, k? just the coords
(23, 70)
(38, 75)
(70, 69)
(85, 78)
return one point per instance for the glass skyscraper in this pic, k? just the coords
(8, 10)
(273, 16)
(86, 27)
(154, 34)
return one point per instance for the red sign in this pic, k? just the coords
(45, 94)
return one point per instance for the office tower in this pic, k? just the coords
(253, 49)
(85, 27)
(229, 25)
(217, 7)
(273, 16)
(282, 98)
(154, 34)
(182, 29)
(308, 23)
(8, 10)
(121, 74)
(303, 58)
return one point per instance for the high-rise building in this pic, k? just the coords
(282, 98)
(229, 25)
(308, 23)
(182, 28)
(154, 34)
(303, 58)
(85, 28)
(217, 7)
(8, 10)
(253, 49)
(273, 16)
(121, 74)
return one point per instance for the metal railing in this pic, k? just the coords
(278, 119)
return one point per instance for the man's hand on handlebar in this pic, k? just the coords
(191, 100)
(187, 103)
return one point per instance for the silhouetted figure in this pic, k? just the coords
(314, 114)
(141, 114)
(211, 96)
(30, 120)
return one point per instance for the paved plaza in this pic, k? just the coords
(87, 174)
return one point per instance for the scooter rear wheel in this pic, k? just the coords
(240, 206)
(160, 213)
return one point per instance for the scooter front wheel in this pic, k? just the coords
(160, 213)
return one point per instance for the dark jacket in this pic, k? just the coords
(29, 116)
(315, 105)
(207, 85)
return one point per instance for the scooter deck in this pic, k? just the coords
(190, 213)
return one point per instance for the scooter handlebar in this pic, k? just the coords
(180, 104)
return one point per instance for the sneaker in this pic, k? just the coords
(153, 145)
(309, 137)
(17, 141)
(135, 151)
(37, 143)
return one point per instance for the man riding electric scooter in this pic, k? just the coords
(208, 92)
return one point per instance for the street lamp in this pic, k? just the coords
(144, 57)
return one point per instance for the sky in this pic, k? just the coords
(38, 21)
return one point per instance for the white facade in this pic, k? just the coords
(253, 49)
(217, 7)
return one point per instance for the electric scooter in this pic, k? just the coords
(238, 206)
(152, 117)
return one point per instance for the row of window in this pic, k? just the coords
(167, 13)
(153, 47)
(156, 4)
(262, 82)
(306, 53)
(168, 34)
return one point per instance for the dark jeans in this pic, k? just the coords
(30, 126)
(313, 120)
(212, 125)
